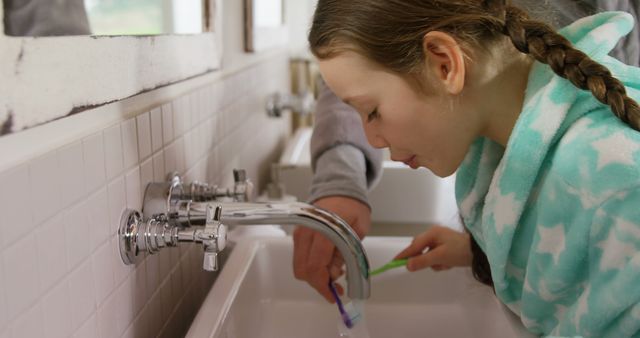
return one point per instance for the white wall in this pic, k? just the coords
(299, 14)
(60, 271)
(2, 16)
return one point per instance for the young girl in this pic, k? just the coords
(541, 128)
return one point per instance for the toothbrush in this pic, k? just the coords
(396, 263)
(350, 315)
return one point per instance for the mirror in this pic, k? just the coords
(45, 76)
(265, 26)
(104, 17)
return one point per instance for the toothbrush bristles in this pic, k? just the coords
(351, 315)
(347, 321)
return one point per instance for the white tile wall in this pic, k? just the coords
(114, 160)
(117, 202)
(3, 304)
(94, 162)
(98, 213)
(159, 170)
(71, 167)
(89, 329)
(56, 310)
(134, 190)
(15, 206)
(156, 129)
(51, 248)
(60, 270)
(144, 135)
(77, 234)
(81, 283)
(167, 123)
(29, 324)
(129, 143)
(22, 279)
(44, 174)
(102, 272)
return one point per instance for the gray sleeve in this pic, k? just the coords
(628, 49)
(45, 18)
(337, 124)
(340, 171)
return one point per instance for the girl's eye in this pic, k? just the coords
(373, 115)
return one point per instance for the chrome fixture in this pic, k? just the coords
(176, 217)
(303, 103)
(165, 198)
(137, 235)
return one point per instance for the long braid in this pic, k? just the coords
(545, 45)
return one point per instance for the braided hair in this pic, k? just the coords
(545, 45)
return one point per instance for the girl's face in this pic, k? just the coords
(432, 130)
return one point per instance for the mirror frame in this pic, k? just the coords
(257, 39)
(48, 78)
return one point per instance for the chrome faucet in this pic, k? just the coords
(171, 219)
(303, 103)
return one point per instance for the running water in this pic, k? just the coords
(360, 329)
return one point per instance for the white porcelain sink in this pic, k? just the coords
(256, 295)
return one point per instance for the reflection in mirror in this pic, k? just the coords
(264, 24)
(103, 17)
(145, 17)
(267, 13)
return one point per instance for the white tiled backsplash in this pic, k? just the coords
(60, 270)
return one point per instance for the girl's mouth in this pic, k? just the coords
(411, 162)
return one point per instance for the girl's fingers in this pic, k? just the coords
(432, 258)
(335, 272)
(339, 289)
(302, 239)
(440, 267)
(427, 239)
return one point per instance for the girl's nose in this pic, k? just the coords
(374, 137)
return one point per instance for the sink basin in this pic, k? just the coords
(256, 295)
(427, 199)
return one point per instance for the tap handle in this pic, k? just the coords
(210, 262)
(213, 214)
(201, 192)
(239, 175)
(243, 190)
(214, 238)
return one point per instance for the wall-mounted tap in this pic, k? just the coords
(303, 103)
(242, 190)
(175, 219)
(152, 235)
(166, 198)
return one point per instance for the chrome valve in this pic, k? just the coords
(303, 103)
(173, 197)
(138, 235)
(214, 238)
(242, 191)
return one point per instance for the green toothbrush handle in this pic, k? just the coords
(396, 263)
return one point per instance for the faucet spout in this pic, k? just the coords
(327, 223)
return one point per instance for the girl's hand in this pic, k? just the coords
(439, 248)
(315, 258)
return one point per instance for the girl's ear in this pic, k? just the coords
(445, 58)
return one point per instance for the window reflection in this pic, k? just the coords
(267, 13)
(144, 17)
